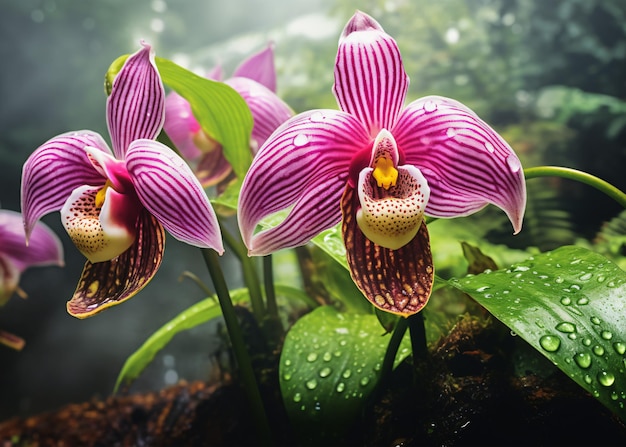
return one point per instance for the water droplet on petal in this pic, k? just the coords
(451, 133)
(430, 106)
(317, 117)
(300, 140)
(514, 163)
(490, 147)
(550, 343)
(583, 359)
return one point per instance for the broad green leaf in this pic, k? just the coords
(570, 305)
(195, 315)
(330, 364)
(220, 110)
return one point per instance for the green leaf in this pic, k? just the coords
(330, 364)
(570, 305)
(220, 110)
(195, 315)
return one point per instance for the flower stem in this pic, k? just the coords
(393, 346)
(270, 291)
(583, 177)
(239, 346)
(417, 333)
(250, 276)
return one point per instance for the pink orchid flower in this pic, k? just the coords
(255, 80)
(45, 249)
(116, 204)
(381, 166)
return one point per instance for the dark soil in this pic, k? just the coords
(463, 394)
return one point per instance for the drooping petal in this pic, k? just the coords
(45, 247)
(370, 81)
(9, 278)
(467, 163)
(100, 233)
(260, 68)
(268, 110)
(168, 188)
(213, 168)
(54, 170)
(392, 217)
(135, 108)
(180, 125)
(396, 281)
(305, 164)
(106, 284)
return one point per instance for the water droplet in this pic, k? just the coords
(430, 106)
(311, 384)
(521, 268)
(587, 341)
(287, 376)
(297, 397)
(346, 374)
(489, 147)
(583, 359)
(364, 381)
(606, 378)
(327, 356)
(550, 343)
(311, 357)
(607, 335)
(317, 117)
(601, 278)
(325, 372)
(586, 277)
(482, 289)
(451, 133)
(287, 362)
(614, 395)
(565, 327)
(588, 379)
(566, 301)
(300, 140)
(340, 387)
(558, 280)
(582, 301)
(598, 350)
(514, 163)
(595, 320)
(619, 347)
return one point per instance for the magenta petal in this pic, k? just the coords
(467, 164)
(370, 81)
(45, 247)
(260, 68)
(268, 110)
(135, 108)
(171, 192)
(54, 170)
(180, 125)
(305, 163)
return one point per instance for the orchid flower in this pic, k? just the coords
(116, 204)
(45, 249)
(381, 167)
(255, 80)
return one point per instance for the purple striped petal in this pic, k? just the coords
(180, 125)
(268, 110)
(171, 192)
(305, 163)
(45, 247)
(135, 108)
(260, 68)
(54, 170)
(467, 164)
(370, 81)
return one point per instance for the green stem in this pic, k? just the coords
(393, 346)
(417, 333)
(250, 276)
(270, 292)
(583, 177)
(239, 347)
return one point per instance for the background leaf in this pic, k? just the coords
(570, 305)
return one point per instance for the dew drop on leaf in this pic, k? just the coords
(550, 343)
(583, 359)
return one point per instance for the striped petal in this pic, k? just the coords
(54, 170)
(268, 110)
(304, 164)
(396, 281)
(106, 284)
(135, 108)
(467, 164)
(370, 81)
(168, 188)
(44, 249)
(181, 126)
(260, 68)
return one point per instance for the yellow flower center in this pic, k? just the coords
(385, 173)
(101, 194)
